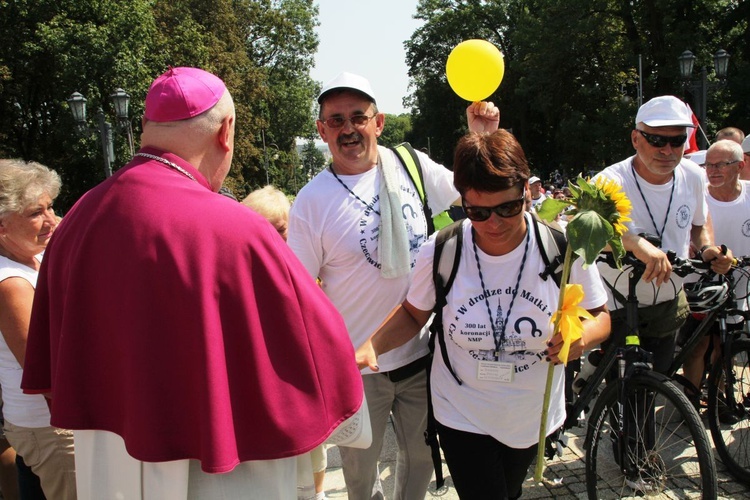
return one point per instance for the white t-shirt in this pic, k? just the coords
(687, 209)
(335, 235)
(509, 412)
(536, 203)
(731, 223)
(23, 410)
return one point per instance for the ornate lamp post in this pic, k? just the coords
(700, 87)
(121, 101)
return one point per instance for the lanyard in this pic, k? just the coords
(352, 192)
(500, 336)
(669, 206)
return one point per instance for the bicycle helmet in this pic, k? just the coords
(704, 296)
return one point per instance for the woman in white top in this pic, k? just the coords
(27, 222)
(498, 334)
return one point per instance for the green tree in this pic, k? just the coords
(281, 39)
(570, 87)
(59, 47)
(313, 160)
(262, 49)
(396, 129)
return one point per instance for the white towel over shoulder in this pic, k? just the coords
(393, 241)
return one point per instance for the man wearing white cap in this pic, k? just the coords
(175, 331)
(358, 226)
(537, 196)
(667, 194)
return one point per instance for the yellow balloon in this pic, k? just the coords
(475, 69)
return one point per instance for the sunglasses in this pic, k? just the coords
(358, 121)
(660, 141)
(504, 210)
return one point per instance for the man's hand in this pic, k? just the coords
(658, 266)
(720, 262)
(483, 117)
(366, 356)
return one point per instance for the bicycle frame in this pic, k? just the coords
(612, 353)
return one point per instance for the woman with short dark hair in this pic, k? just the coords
(498, 334)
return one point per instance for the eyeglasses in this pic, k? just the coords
(358, 121)
(505, 210)
(720, 165)
(659, 141)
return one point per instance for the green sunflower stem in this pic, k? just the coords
(539, 471)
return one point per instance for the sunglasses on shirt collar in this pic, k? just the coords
(660, 141)
(504, 210)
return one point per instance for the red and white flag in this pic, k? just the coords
(692, 145)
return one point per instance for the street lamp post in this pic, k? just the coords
(265, 153)
(121, 101)
(700, 87)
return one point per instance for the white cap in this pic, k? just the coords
(665, 111)
(534, 179)
(698, 157)
(746, 145)
(349, 81)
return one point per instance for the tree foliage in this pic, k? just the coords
(262, 49)
(571, 83)
(396, 130)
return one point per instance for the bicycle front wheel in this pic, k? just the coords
(667, 453)
(729, 410)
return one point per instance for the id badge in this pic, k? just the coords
(496, 371)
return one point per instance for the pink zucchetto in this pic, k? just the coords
(182, 93)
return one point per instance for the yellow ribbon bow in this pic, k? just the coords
(568, 319)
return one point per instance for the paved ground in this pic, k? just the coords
(564, 477)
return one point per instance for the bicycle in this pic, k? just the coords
(643, 435)
(728, 405)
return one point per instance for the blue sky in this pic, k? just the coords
(367, 38)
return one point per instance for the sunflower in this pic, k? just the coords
(623, 207)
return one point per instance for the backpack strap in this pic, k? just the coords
(405, 152)
(444, 268)
(552, 244)
(448, 243)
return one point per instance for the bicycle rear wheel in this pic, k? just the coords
(668, 453)
(729, 415)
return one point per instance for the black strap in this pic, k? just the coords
(561, 244)
(436, 330)
(441, 289)
(430, 434)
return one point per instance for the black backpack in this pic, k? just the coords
(449, 241)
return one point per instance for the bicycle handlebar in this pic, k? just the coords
(681, 267)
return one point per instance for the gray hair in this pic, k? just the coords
(23, 183)
(727, 146)
(210, 120)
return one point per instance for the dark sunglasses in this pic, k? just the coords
(660, 141)
(505, 210)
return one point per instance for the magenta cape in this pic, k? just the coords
(180, 320)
